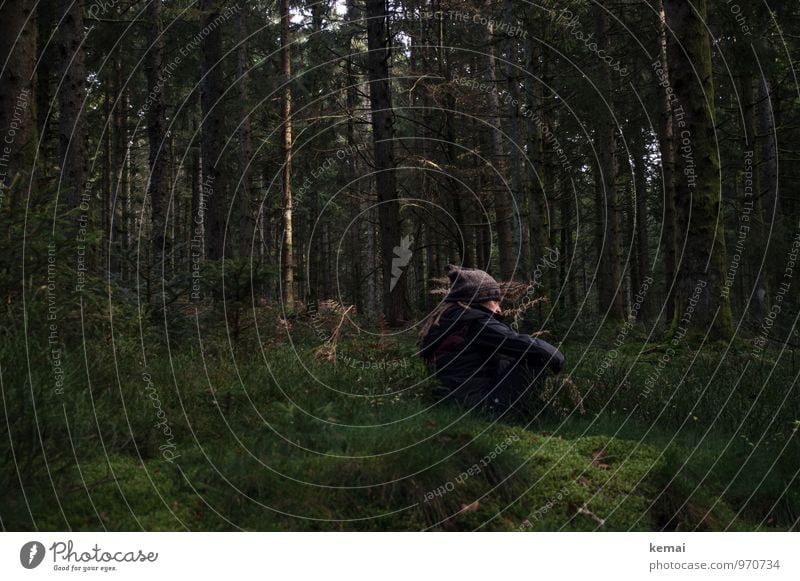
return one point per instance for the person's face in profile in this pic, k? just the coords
(493, 306)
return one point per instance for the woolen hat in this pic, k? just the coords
(471, 285)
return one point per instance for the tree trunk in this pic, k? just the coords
(502, 207)
(666, 145)
(17, 101)
(196, 230)
(698, 192)
(352, 103)
(245, 143)
(47, 14)
(288, 243)
(371, 301)
(461, 234)
(639, 211)
(608, 212)
(430, 272)
(157, 186)
(515, 145)
(378, 42)
(314, 249)
(212, 190)
(108, 168)
(128, 220)
(535, 120)
(71, 94)
(748, 280)
(768, 175)
(119, 210)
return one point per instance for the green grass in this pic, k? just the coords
(276, 439)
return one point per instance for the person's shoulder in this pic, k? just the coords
(461, 313)
(473, 312)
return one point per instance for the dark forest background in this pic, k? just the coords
(224, 221)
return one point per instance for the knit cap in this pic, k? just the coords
(471, 285)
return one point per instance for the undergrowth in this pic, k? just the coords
(265, 434)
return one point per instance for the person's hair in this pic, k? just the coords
(433, 319)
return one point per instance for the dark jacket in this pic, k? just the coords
(468, 343)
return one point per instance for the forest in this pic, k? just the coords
(226, 221)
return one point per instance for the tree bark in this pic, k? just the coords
(768, 175)
(71, 94)
(119, 205)
(515, 145)
(108, 167)
(666, 145)
(212, 196)
(502, 207)
(245, 143)
(535, 120)
(352, 103)
(698, 191)
(462, 230)
(47, 14)
(157, 186)
(288, 242)
(378, 43)
(639, 211)
(17, 95)
(608, 212)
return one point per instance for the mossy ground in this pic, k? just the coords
(538, 483)
(284, 441)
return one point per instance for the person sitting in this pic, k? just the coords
(479, 360)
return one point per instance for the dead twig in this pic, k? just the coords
(583, 509)
(327, 350)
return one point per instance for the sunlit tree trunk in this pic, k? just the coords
(288, 240)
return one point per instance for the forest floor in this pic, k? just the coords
(288, 439)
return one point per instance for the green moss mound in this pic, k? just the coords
(275, 445)
(509, 479)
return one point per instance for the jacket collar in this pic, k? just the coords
(482, 309)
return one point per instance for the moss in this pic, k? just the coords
(267, 464)
(121, 494)
(532, 482)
